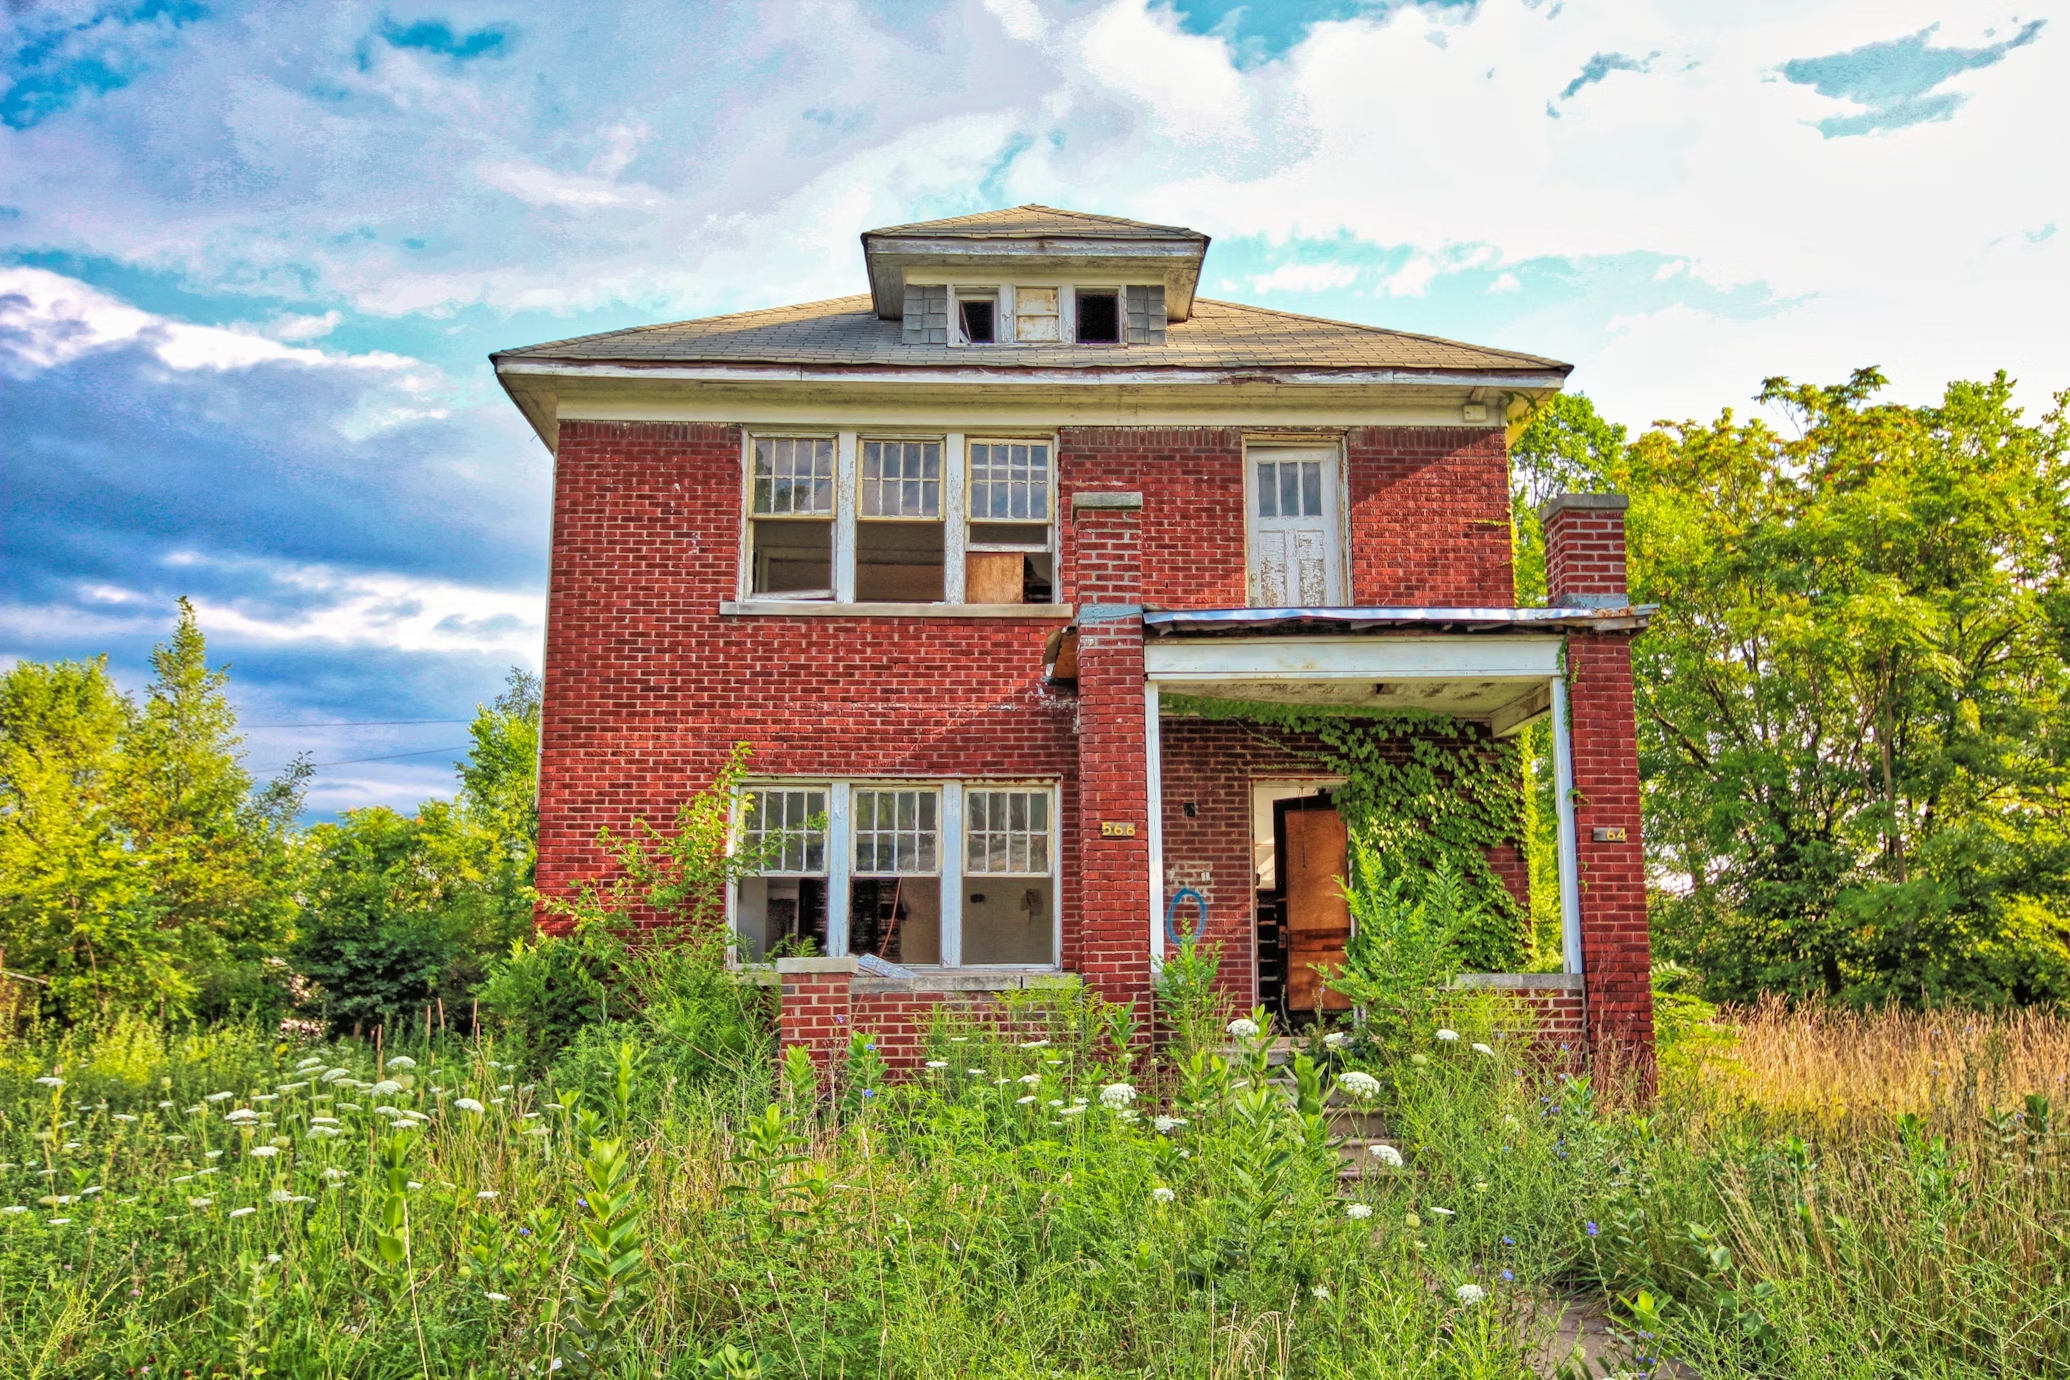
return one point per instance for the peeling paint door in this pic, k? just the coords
(1296, 559)
(1311, 843)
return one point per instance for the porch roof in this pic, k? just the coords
(1341, 622)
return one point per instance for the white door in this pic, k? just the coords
(1296, 551)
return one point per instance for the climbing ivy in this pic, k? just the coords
(1420, 789)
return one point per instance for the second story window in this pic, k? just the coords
(1007, 555)
(976, 315)
(791, 524)
(1099, 316)
(899, 549)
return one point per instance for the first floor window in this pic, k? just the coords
(1009, 911)
(895, 899)
(791, 522)
(784, 906)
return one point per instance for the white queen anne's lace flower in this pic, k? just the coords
(1488, 1050)
(1470, 1294)
(243, 1211)
(937, 1063)
(1448, 1036)
(50, 1081)
(1243, 1027)
(402, 1061)
(1359, 1085)
(1386, 1154)
(264, 1152)
(1165, 1124)
(1117, 1095)
(468, 1104)
(1161, 1194)
(1336, 1039)
(387, 1087)
(1357, 1212)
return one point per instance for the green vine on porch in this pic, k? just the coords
(1421, 789)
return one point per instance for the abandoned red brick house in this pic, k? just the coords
(940, 553)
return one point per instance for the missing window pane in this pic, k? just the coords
(792, 557)
(977, 322)
(780, 914)
(1010, 920)
(899, 919)
(899, 562)
(1099, 318)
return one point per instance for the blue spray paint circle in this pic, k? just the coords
(1171, 913)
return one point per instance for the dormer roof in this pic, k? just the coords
(998, 244)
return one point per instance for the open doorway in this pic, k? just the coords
(1299, 852)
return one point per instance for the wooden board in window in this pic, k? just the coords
(992, 577)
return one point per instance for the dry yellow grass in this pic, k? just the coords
(1824, 1061)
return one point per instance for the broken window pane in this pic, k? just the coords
(1009, 920)
(899, 563)
(793, 557)
(779, 912)
(977, 321)
(1099, 318)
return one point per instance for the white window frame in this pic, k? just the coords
(848, 444)
(950, 854)
(1336, 511)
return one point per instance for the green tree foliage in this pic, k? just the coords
(400, 912)
(138, 866)
(1852, 704)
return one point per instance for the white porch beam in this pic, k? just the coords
(1153, 779)
(1569, 847)
(1352, 658)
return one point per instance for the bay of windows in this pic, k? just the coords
(901, 519)
(918, 874)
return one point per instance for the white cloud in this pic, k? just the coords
(1305, 278)
(1022, 21)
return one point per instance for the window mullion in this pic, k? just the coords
(955, 469)
(840, 853)
(844, 518)
(949, 855)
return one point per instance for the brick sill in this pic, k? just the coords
(1527, 982)
(924, 980)
(824, 608)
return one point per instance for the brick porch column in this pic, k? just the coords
(1113, 880)
(1585, 568)
(816, 1006)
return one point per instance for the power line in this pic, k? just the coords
(359, 723)
(391, 757)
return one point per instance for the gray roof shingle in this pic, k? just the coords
(846, 331)
(1037, 222)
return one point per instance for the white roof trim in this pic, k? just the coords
(1092, 376)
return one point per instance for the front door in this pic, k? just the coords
(1296, 560)
(1309, 839)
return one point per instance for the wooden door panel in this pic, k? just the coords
(1311, 871)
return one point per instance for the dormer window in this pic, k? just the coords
(1035, 320)
(1099, 316)
(977, 316)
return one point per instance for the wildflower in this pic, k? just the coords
(164, 1106)
(1448, 1036)
(1386, 1154)
(1321, 1292)
(1444, 1212)
(1509, 1276)
(1357, 1212)
(497, 1298)
(124, 1116)
(468, 1104)
(387, 1087)
(1359, 1085)
(242, 1116)
(1591, 1227)
(323, 1121)
(1488, 1050)
(1161, 1194)
(402, 1061)
(1164, 1124)
(503, 1087)
(336, 1175)
(486, 1194)
(1056, 1102)
(219, 1097)
(1034, 1044)
(1072, 1111)
(61, 1222)
(333, 1075)
(308, 1064)
(537, 1131)
(414, 1186)
(1024, 1101)
(280, 1195)
(243, 1211)
(1336, 1039)
(1509, 1241)
(1243, 1027)
(212, 1154)
(264, 1152)
(1031, 1079)
(1470, 1294)
(325, 1132)
(1117, 1095)
(50, 1081)
(937, 1063)
(12, 1209)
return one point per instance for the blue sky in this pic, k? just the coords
(253, 256)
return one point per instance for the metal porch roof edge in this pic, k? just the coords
(1276, 622)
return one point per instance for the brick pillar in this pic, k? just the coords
(1585, 568)
(1113, 943)
(816, 1006)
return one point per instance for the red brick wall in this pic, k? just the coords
(1192, 520)
(1429, 517)
(647, 686)
(1584, 550)
(814, 1013)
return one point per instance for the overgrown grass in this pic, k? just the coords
(1033, 1205)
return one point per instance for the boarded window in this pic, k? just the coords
(1035, 316)
(1007, 553)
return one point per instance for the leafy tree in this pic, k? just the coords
(1853, 724)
